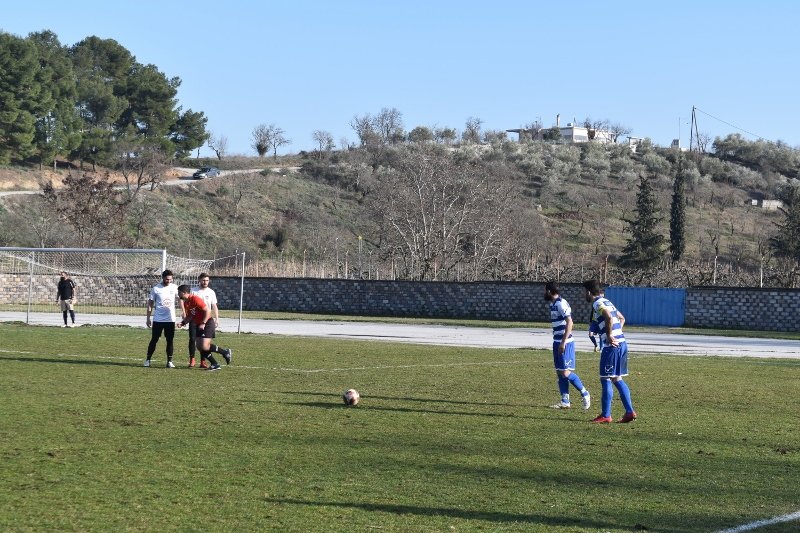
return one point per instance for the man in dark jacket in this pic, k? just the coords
(66, 296)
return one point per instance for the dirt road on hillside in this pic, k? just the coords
(177, 176)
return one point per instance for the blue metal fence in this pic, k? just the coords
(649, 306)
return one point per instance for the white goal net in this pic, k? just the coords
(108, 282)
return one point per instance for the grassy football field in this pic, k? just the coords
(445, 439)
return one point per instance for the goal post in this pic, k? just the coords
(112, 285)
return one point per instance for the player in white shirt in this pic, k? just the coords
(161, 306)
(210, 298)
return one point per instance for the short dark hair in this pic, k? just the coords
(166, 273)
(202, 275)
(552, 287)
(593, 286)
(184, 289)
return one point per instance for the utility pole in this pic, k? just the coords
(693, 133)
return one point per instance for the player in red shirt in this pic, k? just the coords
(195, 310)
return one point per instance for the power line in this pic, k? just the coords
(759, 137)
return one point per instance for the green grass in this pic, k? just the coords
(446, 439)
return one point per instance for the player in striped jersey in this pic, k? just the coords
(564, 347)
(608, 321)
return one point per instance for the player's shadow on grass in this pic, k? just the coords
(488, 516)
(338, 404)
(68, 361)
(411, 399)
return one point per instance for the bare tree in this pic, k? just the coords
(92, 207)
(219, 144)
(472, 131)
(277, 140)
(139, 216)
(241, 187)
(494, 136)
(593, 126)
(617, 130)
(262, 139)
(439, 211)
(380, 130)
(36, 213)
(703, 140)
(364, 126)
(531, 131)
(142, 164)
(324, 141)
(389, 125)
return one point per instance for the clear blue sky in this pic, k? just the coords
(305, 65)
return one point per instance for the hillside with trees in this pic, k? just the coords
(436, 211)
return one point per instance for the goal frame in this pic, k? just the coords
(160, 253)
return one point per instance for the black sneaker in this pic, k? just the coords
(214, 367)
(228, 355)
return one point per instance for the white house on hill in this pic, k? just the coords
(570, 134)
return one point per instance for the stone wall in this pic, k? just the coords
(737, 308)
(123, 291)
(480, 300)
(713, 307)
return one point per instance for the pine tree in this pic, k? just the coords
(677, 217)
(644, 248)
(786, 243)
(20, 93)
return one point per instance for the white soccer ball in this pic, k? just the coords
(351, 397)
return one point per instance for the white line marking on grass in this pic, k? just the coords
(306, 370)
(381, 367)
(761, 523)
(107, 357)
(12, 351)
(751, 360)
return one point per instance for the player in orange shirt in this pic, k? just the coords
(195, 310)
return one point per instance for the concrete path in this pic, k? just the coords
(461, 336)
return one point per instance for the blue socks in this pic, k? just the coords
(576, 381)
(608, 394)
(563, 388)
(624, 395)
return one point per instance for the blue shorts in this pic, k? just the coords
(566, 361)
(614, 361)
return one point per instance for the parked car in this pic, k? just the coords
(206, 172)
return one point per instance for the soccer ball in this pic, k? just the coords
(351, 397)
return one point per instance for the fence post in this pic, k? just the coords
(241, 296)
(30, 288)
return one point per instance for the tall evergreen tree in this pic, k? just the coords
(644, 247)
(20, 92)
(677, 215)
(100, 67)
(786, 243)
(189, 132)
(57, 120)
(151, 105)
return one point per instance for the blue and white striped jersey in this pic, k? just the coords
(560, 311)
(600, 303)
